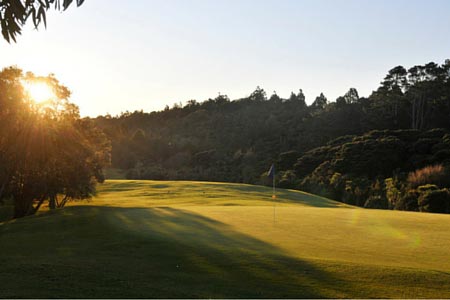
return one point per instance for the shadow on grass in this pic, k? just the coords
(94, 251)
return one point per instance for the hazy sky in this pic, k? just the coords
(118, 55)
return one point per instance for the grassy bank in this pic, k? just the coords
(219, 240)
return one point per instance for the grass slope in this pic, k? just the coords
(218, 240)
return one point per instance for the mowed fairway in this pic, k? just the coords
(157, 239)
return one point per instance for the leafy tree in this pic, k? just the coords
(351, 96)
(298, 99)
(301, 98)
(288, 180)
(48, 152)
(426, 94)
(293, 97)
(258, 95)
(15, 13)
(275, 98)
(221, 99)
(320, 102)
(287, 159)
(395, 79)
(435, 201)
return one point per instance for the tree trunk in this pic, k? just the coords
(39, 204)
(52, 201)
(3, 187)
(64, 201)
(23, 207)
(422, 113)
(1, 191)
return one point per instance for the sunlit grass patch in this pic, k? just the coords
(156, 193)
(155, 239)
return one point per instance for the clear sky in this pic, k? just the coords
(118, 55)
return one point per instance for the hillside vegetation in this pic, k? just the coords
(402, 127)
(162, 239)
(400, 169)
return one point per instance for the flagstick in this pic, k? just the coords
(273, 184)
(273, 197)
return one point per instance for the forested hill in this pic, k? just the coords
(238, 140)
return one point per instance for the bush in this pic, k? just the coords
(312, 159)
(288, 180)
(429, 175)
(435, 201)
(286, 160)
(377, 202)
(442, 155)
(427, 188)
(264, 179)
(393, 191)
(337, 183)
(319, 181)
(423, 146)
(370, 158)
(408, 201)
(356, 191)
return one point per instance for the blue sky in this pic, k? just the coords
(120, 55)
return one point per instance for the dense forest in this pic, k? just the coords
(363, 151)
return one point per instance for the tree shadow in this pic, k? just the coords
(161, 253)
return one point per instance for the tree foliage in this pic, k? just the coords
(380, 169)
(15, 13)
(46, 151)
(345, 149)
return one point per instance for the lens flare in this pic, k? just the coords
(39, 91)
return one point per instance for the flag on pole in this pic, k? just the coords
(271, 173)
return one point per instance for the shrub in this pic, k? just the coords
(429, 175)
(286, 160)
(427, 188)
(264, 179)
(319, 181)
(435, 201)
(337, 183)
(370, 158)
(423, 146)
(434, 133)
(442, 155)
(356, 191)
(288, 180)
(377, 202)
(312, 159)
(393, 191)
(408, 201)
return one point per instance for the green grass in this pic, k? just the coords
(156, 239)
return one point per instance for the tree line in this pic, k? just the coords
(389, 150)
(224, 140)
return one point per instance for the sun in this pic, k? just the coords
(39, 91)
